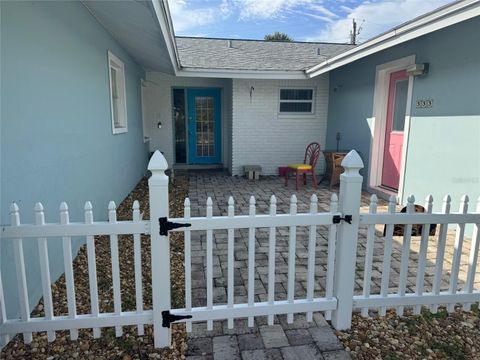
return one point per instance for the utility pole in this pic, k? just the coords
(353, 34)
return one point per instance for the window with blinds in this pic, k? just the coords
(296, 101)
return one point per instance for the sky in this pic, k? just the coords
(303, 20)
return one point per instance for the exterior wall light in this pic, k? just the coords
(418, 69)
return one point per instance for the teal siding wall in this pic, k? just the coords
(56, 137)
(444, 157)
(454, 57)
(437, 162)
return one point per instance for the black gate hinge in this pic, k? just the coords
(168, 318)
(338, 218)
(166, 226)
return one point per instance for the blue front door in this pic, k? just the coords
(204, 119)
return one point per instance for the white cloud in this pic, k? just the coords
(315, 16)
(378, 17)
(373, 16)
(346, 8)
(186, 18)
(226, 8)
(190, 15)
(267, 9)
(323, 10)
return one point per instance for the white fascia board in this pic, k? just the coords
(241, 74)
(445, 17)
(165, 22)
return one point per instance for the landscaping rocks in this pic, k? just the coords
(426, 336)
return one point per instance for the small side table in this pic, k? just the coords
(334, 168)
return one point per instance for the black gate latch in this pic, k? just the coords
(338, 218)
(166, 226)
(168, 318)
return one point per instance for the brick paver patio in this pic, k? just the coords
(300, 340)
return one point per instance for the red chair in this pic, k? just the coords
(308, 167)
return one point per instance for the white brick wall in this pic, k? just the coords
(158, 107)
(263, 137)
(256, 135)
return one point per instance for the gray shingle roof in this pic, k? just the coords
(230, 54)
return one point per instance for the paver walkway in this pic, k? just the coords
(300, 340)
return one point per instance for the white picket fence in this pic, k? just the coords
(252, 221)
(401, 299)
(337, 303)
(65, 229)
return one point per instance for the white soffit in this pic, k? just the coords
(135, 26)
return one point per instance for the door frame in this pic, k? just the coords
(187, 147)
(378, 126)
(393, 136)
(217, 93)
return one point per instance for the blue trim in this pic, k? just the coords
(192, 138)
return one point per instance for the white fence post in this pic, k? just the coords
(346, 253)
(160, 247)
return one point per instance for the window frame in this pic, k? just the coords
(115, 63)
(294, 113)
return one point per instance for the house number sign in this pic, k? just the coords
(424, 103)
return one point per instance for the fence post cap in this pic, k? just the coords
(157, 162)
(14, 207)
(352, 162)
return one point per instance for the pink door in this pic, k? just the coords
(396, 110)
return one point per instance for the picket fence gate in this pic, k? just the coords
(343, 221)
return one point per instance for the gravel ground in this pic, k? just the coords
(425, 336)
(129, 346)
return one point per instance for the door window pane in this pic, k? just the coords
(205, 124)
(400, 105)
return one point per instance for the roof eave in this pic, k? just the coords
(445, 16)
(162, 12)
(241, 74)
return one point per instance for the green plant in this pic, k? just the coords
(439, 315)
(451, 351)
(475, 309)
(126, 343)
(277, 36)
(411, 323)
